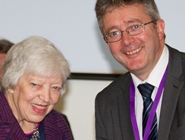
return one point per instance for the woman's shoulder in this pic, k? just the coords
(54, 116)
(55, 123)
(57, 119)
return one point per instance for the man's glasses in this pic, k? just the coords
(135, 29)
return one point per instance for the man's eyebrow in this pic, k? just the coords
(110, 28)
(132, 21)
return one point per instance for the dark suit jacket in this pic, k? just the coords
(113, 108)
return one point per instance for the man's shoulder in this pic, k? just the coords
(175, 51)
(115, 88)
(176, 62)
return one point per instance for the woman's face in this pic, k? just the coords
(34, 97)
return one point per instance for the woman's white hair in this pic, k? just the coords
(34, 55)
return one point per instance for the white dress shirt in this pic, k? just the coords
(154, 78)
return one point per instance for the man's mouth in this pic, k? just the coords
(134, 51)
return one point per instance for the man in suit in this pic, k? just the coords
(5, 45)
(135, 35)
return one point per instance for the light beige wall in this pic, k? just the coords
(78, 104)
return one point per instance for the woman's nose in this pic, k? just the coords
(45, 95)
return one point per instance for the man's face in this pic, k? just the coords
(2, 56)
(138, 53)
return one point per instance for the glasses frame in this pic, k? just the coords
(143, 24)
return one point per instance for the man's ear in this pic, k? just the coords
(105, 39)
(160, 28)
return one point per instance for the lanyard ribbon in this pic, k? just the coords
(152, 112)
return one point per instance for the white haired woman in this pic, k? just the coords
(34, 75)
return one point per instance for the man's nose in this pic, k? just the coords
(126, 39)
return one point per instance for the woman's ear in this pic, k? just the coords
(10, 90)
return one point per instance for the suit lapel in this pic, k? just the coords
(172, 89)
(124, 111)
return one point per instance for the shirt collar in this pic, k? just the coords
(158, 70)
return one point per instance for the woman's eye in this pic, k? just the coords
(33, 84)
(56, 88)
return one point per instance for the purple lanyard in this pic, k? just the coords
(152, 112)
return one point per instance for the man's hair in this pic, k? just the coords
(103, 6)
(5, 45)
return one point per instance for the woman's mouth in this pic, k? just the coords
(40, 109)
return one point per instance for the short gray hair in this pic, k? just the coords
(34, 55)
(102, 7)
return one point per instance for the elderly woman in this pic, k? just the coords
(34, 75)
